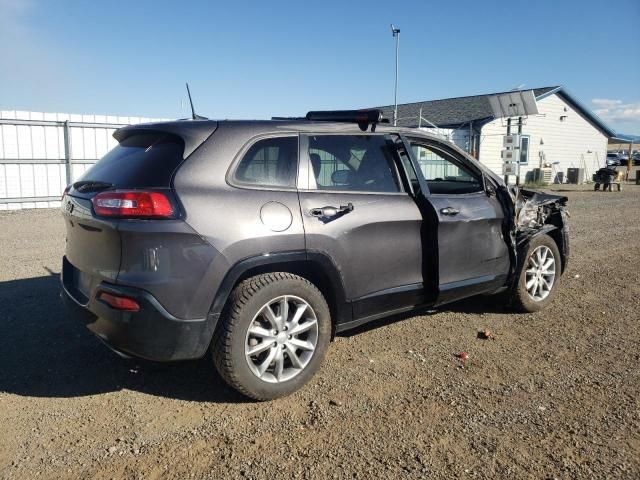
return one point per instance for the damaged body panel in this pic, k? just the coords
(537, 213)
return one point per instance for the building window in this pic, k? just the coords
(524, 150)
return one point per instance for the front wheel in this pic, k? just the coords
(539, 275)
(273, 335)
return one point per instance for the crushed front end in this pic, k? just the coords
(539, 213)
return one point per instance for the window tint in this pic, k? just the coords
(359, 163)
(139, 161)
(272, 162)
(443, 173)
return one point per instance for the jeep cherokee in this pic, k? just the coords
(254, 242)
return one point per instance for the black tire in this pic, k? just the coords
(521, 300)
(246, 300)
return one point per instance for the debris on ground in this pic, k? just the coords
(463, 356)
(486, 335)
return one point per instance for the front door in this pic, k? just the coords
(356, 209)
(473, 256)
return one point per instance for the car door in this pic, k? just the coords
(473, 256)
(356, 210)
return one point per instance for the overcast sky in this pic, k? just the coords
(263, 58)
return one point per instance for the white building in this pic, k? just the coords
(563, 134)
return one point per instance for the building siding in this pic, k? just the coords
(567, 142)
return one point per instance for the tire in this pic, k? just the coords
(259, 302)
(521, 298)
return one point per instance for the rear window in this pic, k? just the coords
(140, 161)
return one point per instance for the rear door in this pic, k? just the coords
(356, 209)
(473, 256)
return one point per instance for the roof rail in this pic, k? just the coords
(363, 118)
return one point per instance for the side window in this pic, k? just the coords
(359, 163)
(272, 162)
(444, 173)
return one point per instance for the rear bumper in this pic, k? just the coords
(151, 333)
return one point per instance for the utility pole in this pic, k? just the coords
(506, 177)
(396, 33)
(518, 157)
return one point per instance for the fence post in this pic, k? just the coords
(67, 151)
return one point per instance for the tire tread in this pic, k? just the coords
(231, 316)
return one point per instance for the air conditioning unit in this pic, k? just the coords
(543, 175)
(575, 175)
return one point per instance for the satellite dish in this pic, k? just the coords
(513, 104)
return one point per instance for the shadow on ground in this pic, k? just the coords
(43, 353)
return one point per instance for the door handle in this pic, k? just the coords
(449, 211)
(329, 211)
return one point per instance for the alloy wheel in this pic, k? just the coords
(541, 273)
(281, 339)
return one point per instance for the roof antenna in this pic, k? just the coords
(194, 116)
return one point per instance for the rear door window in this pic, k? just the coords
(272, 162)
(142, 160)
(357, 163)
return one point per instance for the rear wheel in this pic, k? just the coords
(539, 275)
(273, 335)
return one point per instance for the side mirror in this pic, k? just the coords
(489, 189)
(341, 177)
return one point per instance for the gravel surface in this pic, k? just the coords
(555, 394)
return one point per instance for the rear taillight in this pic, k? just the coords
(119, 303)
(133, 204)
(66, 190)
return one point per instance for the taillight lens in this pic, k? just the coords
(66, 190)
(133, 204)
(119, 303)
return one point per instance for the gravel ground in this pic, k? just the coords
(556, 394)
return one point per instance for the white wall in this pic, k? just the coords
(564, 141)
(45, 175)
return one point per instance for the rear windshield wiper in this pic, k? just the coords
(91, 186)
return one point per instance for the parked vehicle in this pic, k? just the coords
(613, 159)
(254, 242)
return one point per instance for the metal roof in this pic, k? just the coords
(454, 112)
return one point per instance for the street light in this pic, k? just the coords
(396, 33)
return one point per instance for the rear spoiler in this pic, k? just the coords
(192, 132)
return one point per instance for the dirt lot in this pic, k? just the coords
(555, 395)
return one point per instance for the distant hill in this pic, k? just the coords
(631, 138)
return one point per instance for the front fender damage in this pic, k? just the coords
(530, 214)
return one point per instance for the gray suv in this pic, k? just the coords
(255, 242)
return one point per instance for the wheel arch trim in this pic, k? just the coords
(290, 261)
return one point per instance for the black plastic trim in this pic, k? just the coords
(320, 260)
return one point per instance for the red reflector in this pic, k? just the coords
(133, 204)
(119, 303)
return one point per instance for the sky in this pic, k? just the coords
(282, 58)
